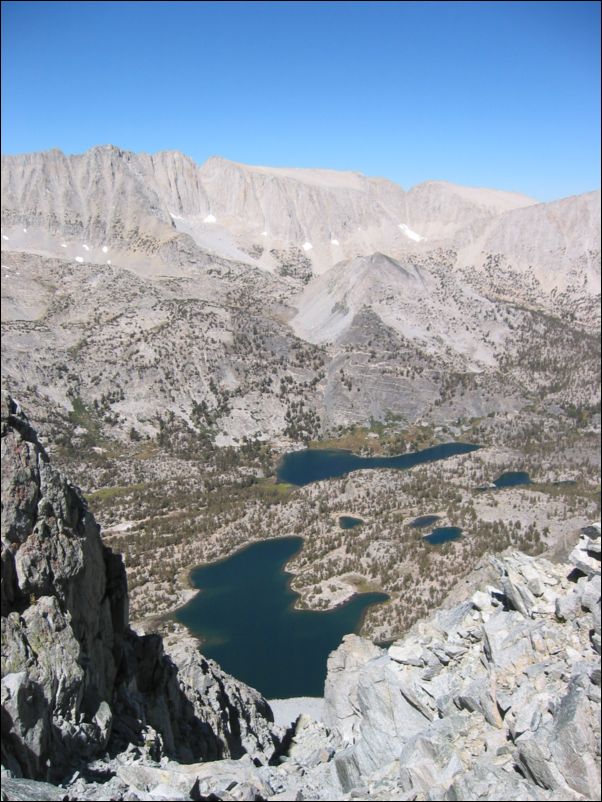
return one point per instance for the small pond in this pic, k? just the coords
(349, 522)
(424, 520)
(512, 479)
(443, 534)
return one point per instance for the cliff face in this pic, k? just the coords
(145, 193)
(75, 679)
(64, 610)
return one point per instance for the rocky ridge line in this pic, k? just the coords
(130, 207)
(495, 698)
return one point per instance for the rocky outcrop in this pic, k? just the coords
(75, 679)
(64, 611)
(497, 698)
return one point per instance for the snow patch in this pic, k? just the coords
(175, 216)
(108, 261)
(105, 249)
(334, 242)
(210, 219)
(4, 237)
(85, 247)
(307, 246)
(63, 244)
(410, 234)
(79, 259)
(25, 231)
(264, 233)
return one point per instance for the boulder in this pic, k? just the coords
(586, 555)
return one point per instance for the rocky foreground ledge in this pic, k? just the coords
(496, 698)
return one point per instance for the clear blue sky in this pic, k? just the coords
(484, 94)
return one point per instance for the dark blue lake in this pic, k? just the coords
(513, 478)
(424, 520)
(349, 522)
(312, 465)
(245, 617)
(443, 534)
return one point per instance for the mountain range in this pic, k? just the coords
(317, 260)
(109, 197)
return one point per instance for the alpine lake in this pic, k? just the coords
(245, 611)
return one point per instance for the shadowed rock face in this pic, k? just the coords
(64, 610)
(75, 679)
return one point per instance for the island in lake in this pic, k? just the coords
(247, 621)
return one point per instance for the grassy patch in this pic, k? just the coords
(567, 491)
(389, 441)
(148, 450)
(361, 584)
(269, 489)
(108, 493)
(355, 439)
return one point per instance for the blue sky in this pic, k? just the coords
(505, 94)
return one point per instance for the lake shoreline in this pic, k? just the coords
(345, 591)
(248, 618)
(185, 590)
(309, 465)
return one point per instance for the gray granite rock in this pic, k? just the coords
(514, 696)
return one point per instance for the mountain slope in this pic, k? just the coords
(420, 302)
(118, 259)
(557, 243)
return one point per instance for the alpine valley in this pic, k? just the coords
(171, 334)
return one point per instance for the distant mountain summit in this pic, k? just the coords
(333, 212)
(108, 197)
